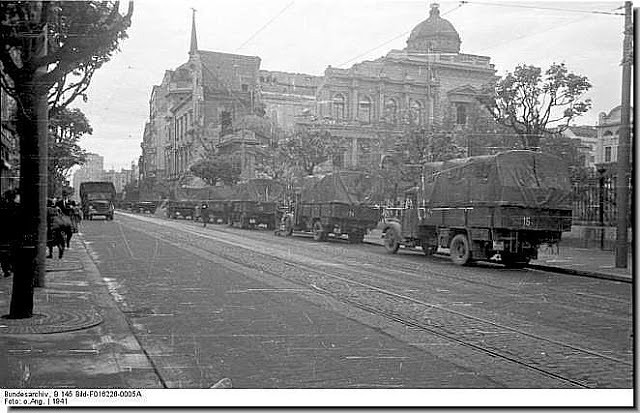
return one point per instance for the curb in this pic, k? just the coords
(561, 270)
(581, 273)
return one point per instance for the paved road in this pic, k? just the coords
(275, 312)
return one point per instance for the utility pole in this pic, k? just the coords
(622, 187)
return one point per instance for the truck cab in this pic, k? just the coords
(97, 199)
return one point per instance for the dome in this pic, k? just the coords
(434, 34)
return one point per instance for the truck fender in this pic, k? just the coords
(394, 225)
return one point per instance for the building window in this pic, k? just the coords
(607, 153)
(461, 114)
(416, 112)
(391, 111)
(364, 110)
(338, 107)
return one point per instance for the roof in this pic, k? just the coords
(228, 71)
(584, 131)
(435, 29)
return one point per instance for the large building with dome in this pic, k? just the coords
(428, 83)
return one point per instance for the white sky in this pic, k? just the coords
(308, 35)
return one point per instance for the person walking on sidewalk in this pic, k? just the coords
(9, 233)
(204, 214)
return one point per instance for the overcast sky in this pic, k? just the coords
(306, 36)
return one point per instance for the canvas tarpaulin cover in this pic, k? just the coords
(513, 178)
(345, 186)
(262, 190)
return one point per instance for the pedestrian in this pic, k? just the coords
(9, 233)
(204, 214)
(64, 204)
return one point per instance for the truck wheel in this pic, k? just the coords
(391, 240)
(515, 261)
(356, 237)
(429, 250)
(318, 233)
(460, 251)
(288, 226)
(244, 222)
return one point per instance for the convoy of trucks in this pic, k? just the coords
(497, 208)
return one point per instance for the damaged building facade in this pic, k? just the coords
(201, 106)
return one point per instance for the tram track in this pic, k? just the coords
(406, 265)
(562, 361)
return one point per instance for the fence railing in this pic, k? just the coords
(594, 201)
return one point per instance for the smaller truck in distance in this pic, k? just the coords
(97, 199)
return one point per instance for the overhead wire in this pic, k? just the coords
(522, 6)
(393, 39)
(266, 25)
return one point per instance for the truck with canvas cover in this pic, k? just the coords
(97, 199)
(217, 201)
(334, 205)
(496, 207)
(254, 203)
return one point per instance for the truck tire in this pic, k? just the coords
(515, 261)
(356, 237)
(244, 221)
(288, 226)
(318, 232)
(460, 250)
(429, 250)
(391, 240)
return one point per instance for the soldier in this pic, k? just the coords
(64, 204)
(9, 233)
(204, 214)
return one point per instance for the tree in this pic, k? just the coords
(272, 161)
(307, 149)
(530, 102)
(49, 53)
(66, 128)
(216, 168)
(567, 149)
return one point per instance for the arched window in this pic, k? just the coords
(391, 110)
(338, 106)
(364, 109)
(416, 109)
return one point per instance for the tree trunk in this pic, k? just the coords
(31, 248)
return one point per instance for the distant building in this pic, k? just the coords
(588, 137)
(9, 144)
(608, 129)
(201, 107)
(91, 170)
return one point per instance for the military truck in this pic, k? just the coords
(255, 204)
(497, 207)
(331, 206)
(97, 199)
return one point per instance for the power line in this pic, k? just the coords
(533, 34)
(265, 25)
(520, 6)
(391, 40)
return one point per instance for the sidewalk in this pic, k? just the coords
(580, 261)
(77, 337)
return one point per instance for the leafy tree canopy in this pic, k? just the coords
(530, 102)
(80, 37)
(66, 128)
(217, 168)
(307, 149)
